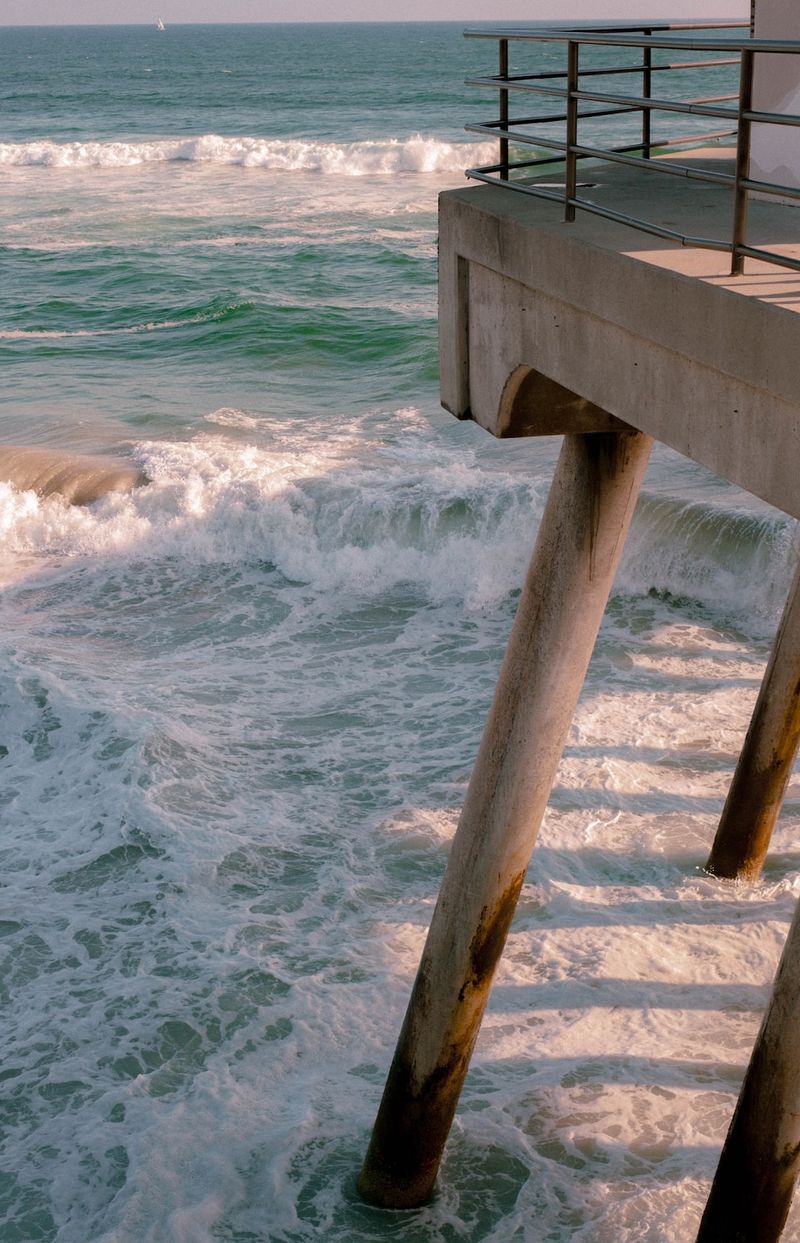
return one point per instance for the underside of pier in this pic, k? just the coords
(660, 336)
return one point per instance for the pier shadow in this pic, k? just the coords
(704, 761)
(600, 1070)
(648, 914)
(576, 994)
(569, 798)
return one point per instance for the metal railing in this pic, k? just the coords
(569, 84)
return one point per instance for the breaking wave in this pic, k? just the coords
(453, 531)
(739, 562)
(53, 334)
(414, 154)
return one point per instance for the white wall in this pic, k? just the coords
(776, 148)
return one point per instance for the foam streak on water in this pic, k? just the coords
(239, 705)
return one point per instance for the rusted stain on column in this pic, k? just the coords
(403, 1158)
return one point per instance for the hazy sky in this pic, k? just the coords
(63, 12)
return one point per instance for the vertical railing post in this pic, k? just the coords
(647, 88)
(503, 74)
(571, 171)
(740, 193)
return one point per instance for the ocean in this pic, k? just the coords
(239, 706)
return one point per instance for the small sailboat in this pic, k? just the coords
(160, 24)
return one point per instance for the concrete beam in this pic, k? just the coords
(663, 340)
(533, 405)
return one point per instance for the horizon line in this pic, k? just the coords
(333, 21)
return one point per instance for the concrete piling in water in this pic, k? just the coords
(765, 764)
(752, 1190)
(580, 541)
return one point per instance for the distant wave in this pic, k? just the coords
(156, 325)
(415, 154)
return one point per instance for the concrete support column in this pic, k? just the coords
(752, 1189)
(580, 541)
(765, 765)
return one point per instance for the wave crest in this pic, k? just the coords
(736, 562)
(319, 514)
(215, 316)
(415, 154)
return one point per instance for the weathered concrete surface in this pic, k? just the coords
(765, 764)
(533, 405)
(78, 478)
(656, 335)
(752, 1189)
(578, 548)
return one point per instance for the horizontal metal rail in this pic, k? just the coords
(770, 187)
(567, 85)
(565, 35)
(559, 116)
(615, 156)
(647, 226)
(770, 256)
(646, 27)
(609, 72)
(693, 107)
(541, 161)
(697, 106)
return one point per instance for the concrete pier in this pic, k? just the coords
(612, 339)
(580, 541)
(659, 336)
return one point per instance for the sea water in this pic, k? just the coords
(239, 707)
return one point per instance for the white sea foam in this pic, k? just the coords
(228, 417)
(325, 517)
(239, 708)
(415, 154)
(318, 517)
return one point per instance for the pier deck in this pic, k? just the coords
(658, 335)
